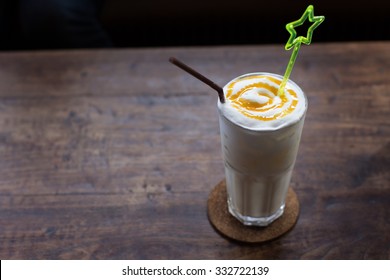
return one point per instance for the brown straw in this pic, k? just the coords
(199, 76)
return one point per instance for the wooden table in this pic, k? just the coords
(112, 154)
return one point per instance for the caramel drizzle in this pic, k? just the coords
(246, 107)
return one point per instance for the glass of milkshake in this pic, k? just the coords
(260, 135)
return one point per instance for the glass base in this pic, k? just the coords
(255, 221)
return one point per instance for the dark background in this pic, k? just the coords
(174, 22)
(152, 23)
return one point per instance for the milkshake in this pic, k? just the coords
(260, 135)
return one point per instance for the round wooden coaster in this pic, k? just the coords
(230, 227)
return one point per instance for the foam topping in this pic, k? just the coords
(252, 101)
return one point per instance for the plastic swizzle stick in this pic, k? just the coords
(296, 42)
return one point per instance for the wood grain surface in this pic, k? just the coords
(112, 154)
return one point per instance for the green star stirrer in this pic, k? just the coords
(295, 42)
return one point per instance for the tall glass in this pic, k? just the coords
(259, 164)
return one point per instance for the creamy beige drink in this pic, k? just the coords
(260, 134)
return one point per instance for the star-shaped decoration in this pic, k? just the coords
(316, 20)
